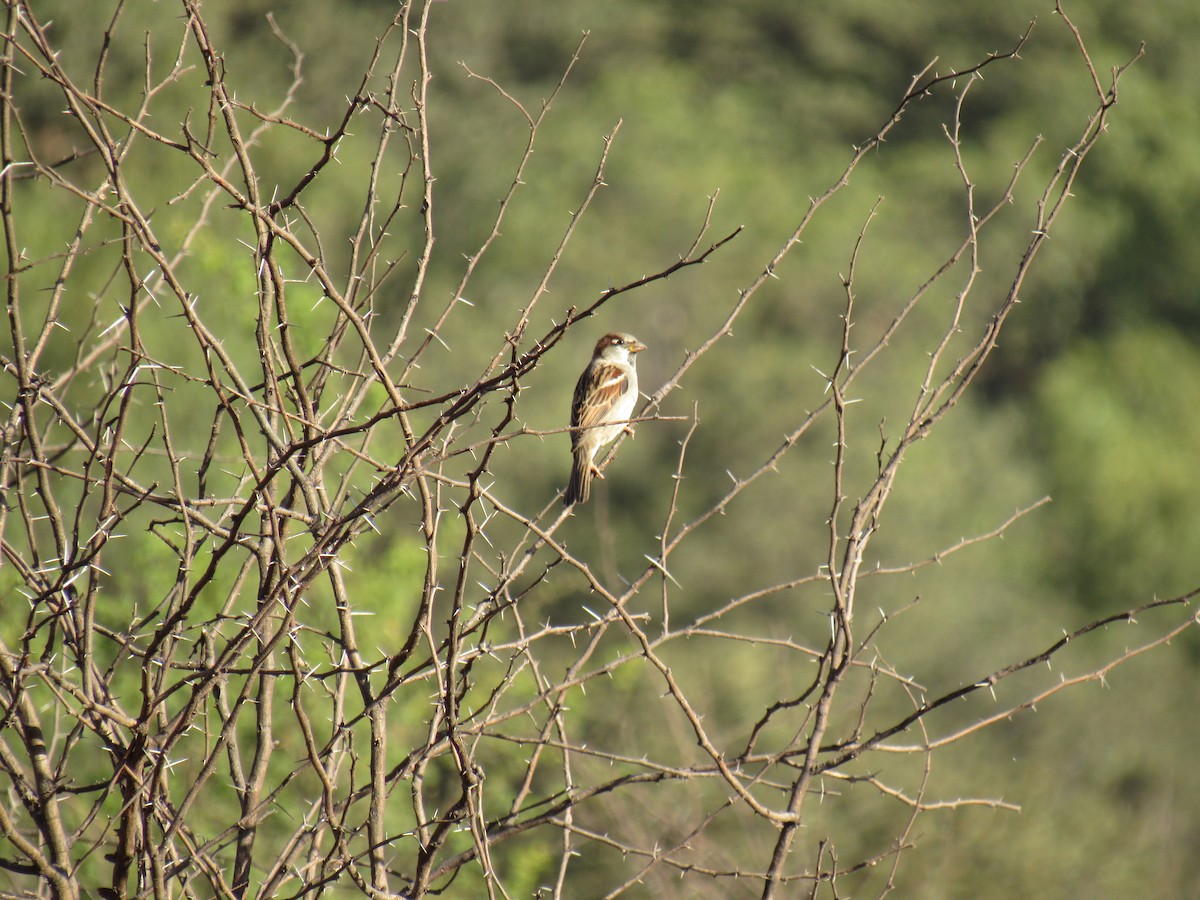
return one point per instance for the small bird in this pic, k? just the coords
(606, 393)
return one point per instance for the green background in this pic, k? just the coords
(1092, 397)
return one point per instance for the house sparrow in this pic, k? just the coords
(606, 393)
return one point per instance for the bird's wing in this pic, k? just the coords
(598, 390)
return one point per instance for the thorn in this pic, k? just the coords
(658, 565)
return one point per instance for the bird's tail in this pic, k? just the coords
(580, 485)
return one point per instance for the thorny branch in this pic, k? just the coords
(189, 703)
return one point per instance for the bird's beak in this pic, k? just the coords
(637, 346)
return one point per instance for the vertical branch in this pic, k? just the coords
(843, 561)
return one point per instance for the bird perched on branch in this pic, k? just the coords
(603, 401)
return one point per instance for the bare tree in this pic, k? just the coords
(196, 467)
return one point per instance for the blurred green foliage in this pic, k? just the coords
(1092, 397)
